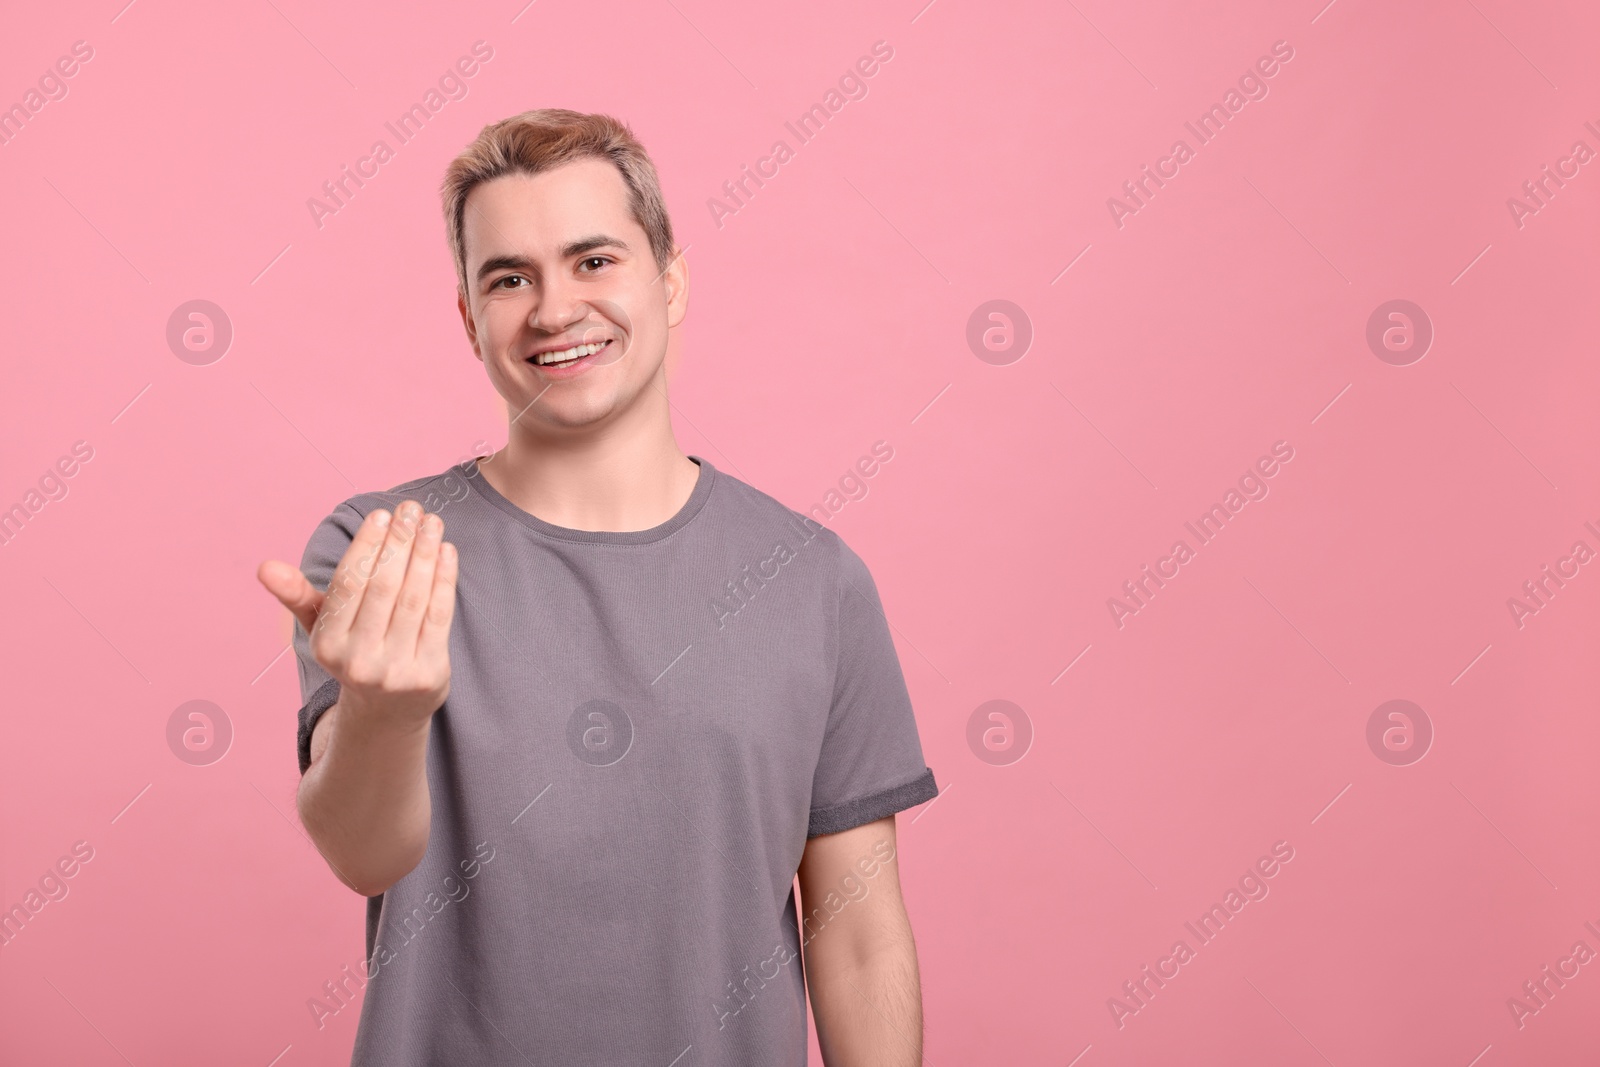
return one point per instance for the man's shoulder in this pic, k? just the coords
(432, 491)
(743, 504)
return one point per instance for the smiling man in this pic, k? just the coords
(576, 755)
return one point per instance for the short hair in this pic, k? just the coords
(543, 139)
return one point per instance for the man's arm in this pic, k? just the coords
(860, 958)
(382, 630)
(365, 801)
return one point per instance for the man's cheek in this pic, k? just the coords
(612, 322)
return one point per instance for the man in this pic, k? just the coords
(576, 755)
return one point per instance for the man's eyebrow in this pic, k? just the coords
(590, 243)
(504, 263)
(568, 251)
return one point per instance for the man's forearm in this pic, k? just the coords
(868, 1007)
(365, 799)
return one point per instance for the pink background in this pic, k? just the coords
(828, 313)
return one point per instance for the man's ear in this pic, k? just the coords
(676, 278)
(467, 321)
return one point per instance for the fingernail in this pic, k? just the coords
(380, 518)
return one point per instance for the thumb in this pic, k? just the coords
(291, 588)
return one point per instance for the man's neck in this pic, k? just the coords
(607, 483)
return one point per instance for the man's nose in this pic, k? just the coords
(559, 306)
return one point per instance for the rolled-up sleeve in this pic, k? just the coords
(871, 763)
(319, 690)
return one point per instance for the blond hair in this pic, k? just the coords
(540, 140)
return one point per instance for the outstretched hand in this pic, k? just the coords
(383, 626)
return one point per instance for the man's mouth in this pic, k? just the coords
(564, 356)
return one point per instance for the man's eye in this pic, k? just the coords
(510, 278)
(592, 259)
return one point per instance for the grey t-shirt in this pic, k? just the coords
(643, 729)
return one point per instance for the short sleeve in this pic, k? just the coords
(871, 763)
(319, 690)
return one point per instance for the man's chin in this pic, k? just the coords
(568, 408)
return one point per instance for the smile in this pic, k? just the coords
(566, 355)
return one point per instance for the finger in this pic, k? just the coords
(416, 588)
(433, 642)
(291, 588)
(349, 581)
(377, 599)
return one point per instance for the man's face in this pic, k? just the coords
(556, 260)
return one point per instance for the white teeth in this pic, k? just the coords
(575, 352)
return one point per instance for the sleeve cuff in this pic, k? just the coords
(853, 813)
(324, 698)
